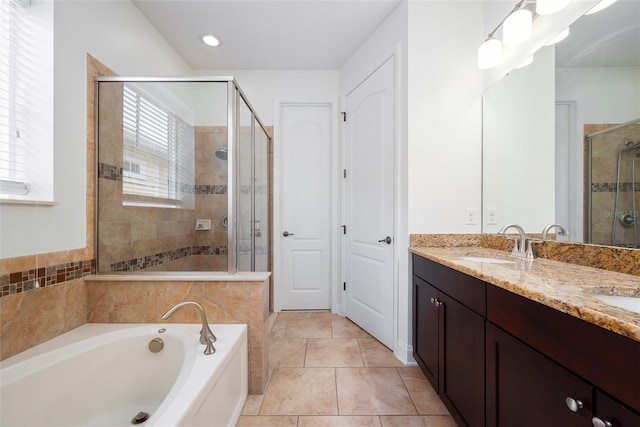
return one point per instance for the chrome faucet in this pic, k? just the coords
(562, 231)
(206, 336)
(520, 248)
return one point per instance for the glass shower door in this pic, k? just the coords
(244, 224)
(261, 200)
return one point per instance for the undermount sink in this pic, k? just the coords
(628, 303)
(486, 259)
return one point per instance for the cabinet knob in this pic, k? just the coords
(433, 300)
(573, 404)
(597, 422)
(438, 303)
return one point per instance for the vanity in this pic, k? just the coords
(514, 342)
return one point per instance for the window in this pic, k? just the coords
(26, 100)
(158, 153)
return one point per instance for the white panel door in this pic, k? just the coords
(306, 206)
(369, 193)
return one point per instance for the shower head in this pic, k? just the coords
(631, 146)
(221, 153)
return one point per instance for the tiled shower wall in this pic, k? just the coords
(605, 149)
(134, 238)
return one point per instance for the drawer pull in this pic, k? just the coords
(573, 404)
(597, 422)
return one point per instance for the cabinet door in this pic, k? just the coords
(608, 410)
(425, 329)
(462, 343)
(526, 389)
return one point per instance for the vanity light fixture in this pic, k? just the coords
(210, 40)
(489, 53)
(557, 39)
(526, 62)
(548, 7)
(517, 28)
(600, 6)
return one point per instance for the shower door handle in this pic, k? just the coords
(287, 234)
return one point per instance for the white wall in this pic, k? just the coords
(445, 128)
(603, 95)
(390, 38)
(120, 37)
(263, 86)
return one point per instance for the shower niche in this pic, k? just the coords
(182, 177)
(613, 202)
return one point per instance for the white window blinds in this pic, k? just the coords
(158, 152)
(14, 48)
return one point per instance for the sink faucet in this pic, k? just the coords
(206, 336)
(520, 247)
(563, 231)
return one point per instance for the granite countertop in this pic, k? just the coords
(566, 287)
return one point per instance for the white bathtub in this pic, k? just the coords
(105, 374)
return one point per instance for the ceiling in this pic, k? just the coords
(267, 34)
(610, 38)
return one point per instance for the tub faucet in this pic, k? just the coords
(206, 336)
(520, 247)
(562, 231)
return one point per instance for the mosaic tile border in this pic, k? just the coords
(610, 187)
(22, 281)
(142, 263)
(115, 173)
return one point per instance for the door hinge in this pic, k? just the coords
(344, 116)
(344, 286)
(344, 173)
(344, 229)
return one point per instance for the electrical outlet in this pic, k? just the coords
(492, 218)
(471, 216)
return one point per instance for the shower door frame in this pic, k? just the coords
(233, 90)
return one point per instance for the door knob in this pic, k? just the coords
(386, 240)
(287, 234)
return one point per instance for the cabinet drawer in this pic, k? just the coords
(464, 288)
(606, 359)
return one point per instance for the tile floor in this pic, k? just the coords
(326, 372)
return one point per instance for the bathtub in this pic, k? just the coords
(106, 375)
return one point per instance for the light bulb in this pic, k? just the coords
(517, 27)
(210, 40)
(489, 53)
(547, 7)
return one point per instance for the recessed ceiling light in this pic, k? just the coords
(210, 40)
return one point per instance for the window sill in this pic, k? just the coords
(4, 201)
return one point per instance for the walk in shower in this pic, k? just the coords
(614, 202)
(183, 176)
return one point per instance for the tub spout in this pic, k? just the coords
(206, 336)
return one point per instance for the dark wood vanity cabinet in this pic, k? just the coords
(526, 389)
(499, 359)
(448, 337)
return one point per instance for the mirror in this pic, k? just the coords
(538, 165)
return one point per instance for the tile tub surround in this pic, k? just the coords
(144, 298)
(566, 287)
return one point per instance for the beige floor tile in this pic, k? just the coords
(375, 354)
(301, 391)
(344, 328)
(372, 391)
(337, 353)
(252, 405)
(418, 421)
(422, 393)
(308, 328)
(339, 421)
(287, 352)
(268, 421)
